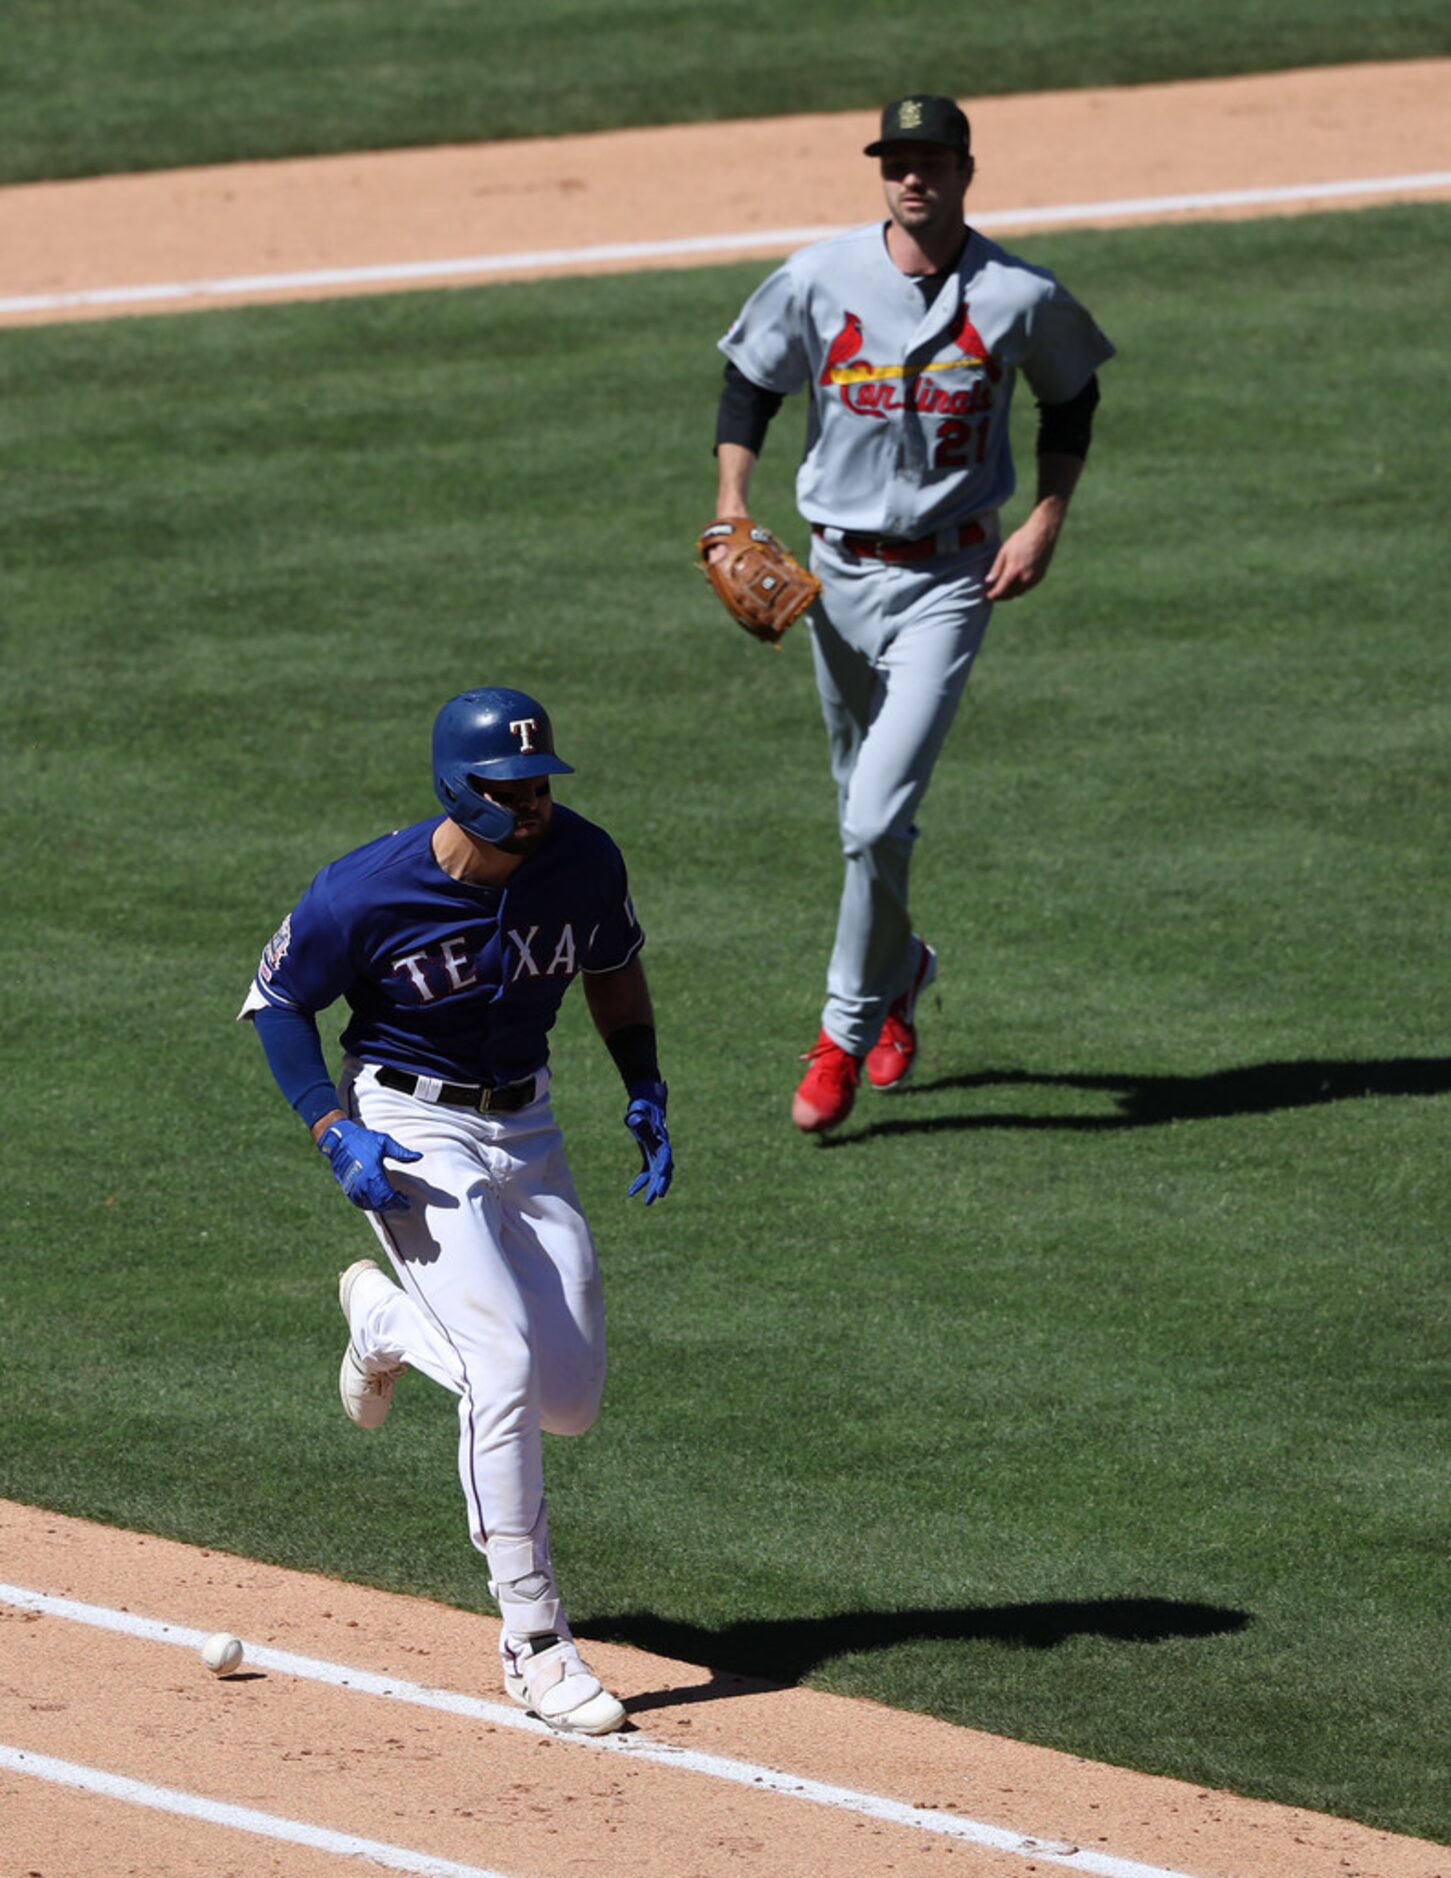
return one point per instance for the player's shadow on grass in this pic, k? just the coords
(785, 1650)
(1155, 1101)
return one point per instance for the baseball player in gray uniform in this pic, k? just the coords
(907, 336)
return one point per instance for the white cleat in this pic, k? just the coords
(548, 1676)
(367, 1395)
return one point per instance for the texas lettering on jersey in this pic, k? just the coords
(436, 971)
(880, 390)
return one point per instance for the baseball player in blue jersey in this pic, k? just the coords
(453, 943)
(907, 336)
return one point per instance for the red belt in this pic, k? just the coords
(885, 548)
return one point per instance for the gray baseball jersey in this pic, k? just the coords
(909, 420)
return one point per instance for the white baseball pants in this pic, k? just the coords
(499, 1296)
(893, 645)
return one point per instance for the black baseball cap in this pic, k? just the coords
(923, 120)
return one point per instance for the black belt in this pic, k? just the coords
(886, 548)
(461, 1095)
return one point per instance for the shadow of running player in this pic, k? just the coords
(783, 1651)
(1155, 1101)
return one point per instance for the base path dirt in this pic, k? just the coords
(322, 1735)
(179, 240)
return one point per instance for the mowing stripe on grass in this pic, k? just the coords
(242, 1818)
(635, 1746)
(385, 274)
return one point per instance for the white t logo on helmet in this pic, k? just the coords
(523, 726)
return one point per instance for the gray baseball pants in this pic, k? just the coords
(893, 645)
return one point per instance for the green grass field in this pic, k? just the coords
(1091, 1392)
(121, 85)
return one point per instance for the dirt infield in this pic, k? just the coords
(477, 1789)
(225, 236)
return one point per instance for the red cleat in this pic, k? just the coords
(828, 1088)
(891, 1057)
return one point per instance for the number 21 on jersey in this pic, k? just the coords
(957, 447)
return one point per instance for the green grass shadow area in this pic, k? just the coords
(1093, 1391)
(119, 86)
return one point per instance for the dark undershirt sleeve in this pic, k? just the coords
(1065, 429)
(294, 1055)
(745, 410)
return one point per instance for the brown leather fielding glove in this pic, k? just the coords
(760, 582)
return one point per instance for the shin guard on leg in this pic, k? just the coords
(521, 1579)
(543, 1669)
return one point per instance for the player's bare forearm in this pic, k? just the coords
(735, 466)
(619, 999)
(1023, 559)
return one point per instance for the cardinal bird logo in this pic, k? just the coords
(845, 346)
(969, 340)
(878, 391)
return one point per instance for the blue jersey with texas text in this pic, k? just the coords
(447, 977)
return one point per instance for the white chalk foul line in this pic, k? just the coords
(635, 1746)
(480, 266)
(243, 1818)
(1265, 197)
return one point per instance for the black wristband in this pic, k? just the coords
(633, 1048)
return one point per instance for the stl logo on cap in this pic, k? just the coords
(909, 115)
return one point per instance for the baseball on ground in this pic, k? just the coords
(222, 1653)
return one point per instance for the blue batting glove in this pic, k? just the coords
(357, 1154)
(645, 1119)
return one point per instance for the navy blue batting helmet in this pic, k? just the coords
(490, 735)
